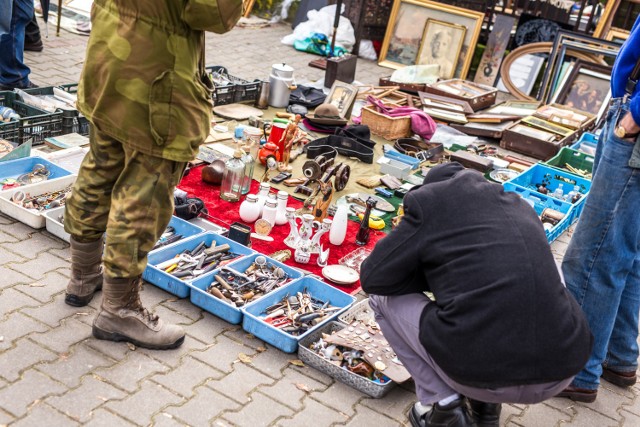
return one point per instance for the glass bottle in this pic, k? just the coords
(269, 210)
(281, 212)
(559, 192)
(249, 159)
(362, 238)
(263, 194)
(249, 209)
(233, 177)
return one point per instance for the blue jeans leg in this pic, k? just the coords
(599, 263)
(13, 71)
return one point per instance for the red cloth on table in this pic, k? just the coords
(225, 213)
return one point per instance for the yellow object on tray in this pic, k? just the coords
(374, 222)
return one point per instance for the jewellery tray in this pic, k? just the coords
(362, 384)
(175, 285)
(31, 217)
(229, 312)
(253, 312)
(17, 167)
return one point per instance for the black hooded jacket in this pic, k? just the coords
(502, 316)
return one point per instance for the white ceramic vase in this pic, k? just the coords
(338, 230)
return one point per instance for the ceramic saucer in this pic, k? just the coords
(340, 274)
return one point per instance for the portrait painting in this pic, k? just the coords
(406, 30)
(441, 45)
(586, 88)
(342, 96)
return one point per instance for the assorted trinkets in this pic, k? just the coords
(190, 264)
(41, 202)
(239, 288)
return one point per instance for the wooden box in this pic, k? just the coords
(524, 138)
(478, 96)
(341, 68)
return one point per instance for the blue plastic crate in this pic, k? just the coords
(15, 168)
(540, 173)
(176, 285)
(253, 323)
(542, 202)
(587, 143)
(232, 314)
(183, 228)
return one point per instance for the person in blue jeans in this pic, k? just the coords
(13, 71)
(601, 266)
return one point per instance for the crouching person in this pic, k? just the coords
(501, 327)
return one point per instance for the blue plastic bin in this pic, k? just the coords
(253, 323)
(15, 168)
(541, 202)
(587, 143)
(183, 228)
(175, 285)
(540, 173)
(232, 314)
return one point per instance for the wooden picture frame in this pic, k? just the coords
(441, 44)
(617, 35)
(499, 37)
(586, 87)
(402, 40)
(342, 95)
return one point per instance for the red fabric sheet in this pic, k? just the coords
(226, 213)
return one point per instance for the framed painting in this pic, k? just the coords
(342, 96)
(405, 32)
(586, 87)
(441, 44)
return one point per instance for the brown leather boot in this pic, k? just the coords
(86, 272)
(123, 318)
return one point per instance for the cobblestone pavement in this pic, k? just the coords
(54, 373)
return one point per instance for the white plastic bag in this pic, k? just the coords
(321, 21)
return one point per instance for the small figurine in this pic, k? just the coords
(362, 238)
(323, 203)
(286, 142)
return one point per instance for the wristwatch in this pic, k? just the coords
(621, 132)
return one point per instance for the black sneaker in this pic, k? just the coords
(485, 414)
(452, 415)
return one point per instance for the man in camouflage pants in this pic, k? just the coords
(145, 92)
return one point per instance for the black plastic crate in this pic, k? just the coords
(236, 90)
(72, 120)
(34, 124)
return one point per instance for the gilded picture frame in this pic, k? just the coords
(403, 38)
(441, 44)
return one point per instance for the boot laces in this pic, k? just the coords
(135, 304)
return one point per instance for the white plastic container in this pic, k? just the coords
(53, 224)
(28, 216)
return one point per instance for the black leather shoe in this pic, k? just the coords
(452, 415)
(34, 46)
(619, 378)
(485, 414)
(31, 85)
(579, 394)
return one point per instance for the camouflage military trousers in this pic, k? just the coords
(128, 195)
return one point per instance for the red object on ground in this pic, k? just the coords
(225, 213)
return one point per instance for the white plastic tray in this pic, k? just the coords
(54, 226)
(30, 217)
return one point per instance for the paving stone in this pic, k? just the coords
(171, 316)
(36, 244)
(206, 329)
(238, 384)
(6, 220)
(45, 289)
(44, 415)
(510, 411)
(395, 404)
(15, 326)
(184, 307)
(62, 338)
(365, 417)
(261, 411)
(19, 230)
(313, 414)
(7, 238)
(11, 277)
(240, 335)
(38, 267)
(273, 362)
(561, 404)
(608, 402)
(540, 415)
(204, 406)
(630, 418)
(632, 406)
(140, 406)
(32, 386)
(115, 351)
(585, 417)
(223, 353)
(5, 418)
(190, 374)
(12, 300)
(69, 368)
(52, 313)
(131, 371)
(25, 354)
(313, 373)
(173, 358)
(104, 418)
(81, 402)
(63, 253)
(340, 397)
(290, 389)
